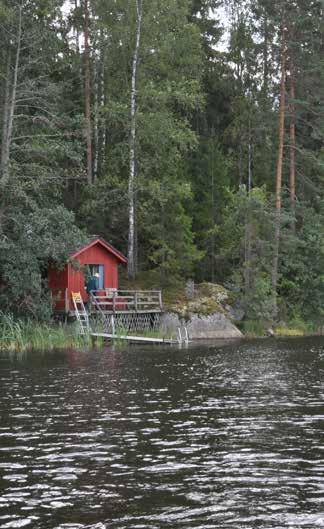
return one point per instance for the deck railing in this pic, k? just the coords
(113, 300)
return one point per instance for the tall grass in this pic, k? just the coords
(23, 335)
(298, 327)
(253, 328)
(295, 327)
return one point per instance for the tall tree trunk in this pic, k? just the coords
(101, 102)
(100, 126)
(265, 56)
(131, 268)
(87, 92)
(77, 33)
(96, 117)
(250, 148)
(240, 162)
(11, 101)
(77, 38)
(248, 226)
(6, 104)
(292, 145)
(213, 238)
(282, 109)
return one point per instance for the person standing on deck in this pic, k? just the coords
(92, 283)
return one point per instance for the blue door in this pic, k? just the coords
(101, 277)
(98, 269)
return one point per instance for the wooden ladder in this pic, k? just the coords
(81, 313)
(183, 337)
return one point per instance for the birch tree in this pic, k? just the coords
(131, 267)
(10, 100)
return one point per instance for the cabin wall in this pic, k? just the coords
(94, 255)
(58, 283)
(64, 282)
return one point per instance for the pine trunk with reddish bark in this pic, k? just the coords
(87, 92)
(292, 146)
(281, 132)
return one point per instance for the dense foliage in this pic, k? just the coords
(182, 142)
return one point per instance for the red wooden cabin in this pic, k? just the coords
(98, 257)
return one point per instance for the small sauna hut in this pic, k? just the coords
(98, 257)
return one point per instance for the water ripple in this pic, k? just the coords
(208, 437)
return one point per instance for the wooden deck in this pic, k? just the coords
(112, 301)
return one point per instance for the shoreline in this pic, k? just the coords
(27, 337)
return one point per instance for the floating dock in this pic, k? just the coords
(142, 339)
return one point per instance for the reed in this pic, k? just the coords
(253, 328)
(23, 335)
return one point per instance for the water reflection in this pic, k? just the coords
(225, 436)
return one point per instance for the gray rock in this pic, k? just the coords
(190, 289)
(235, 313)
(200, 327)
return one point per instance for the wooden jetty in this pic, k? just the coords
(122, 313)
(142, 339)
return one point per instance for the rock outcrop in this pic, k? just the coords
(207, 314)
(215, 325)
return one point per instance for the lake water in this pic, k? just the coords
(213, 436)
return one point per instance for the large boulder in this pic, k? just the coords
(207, 310)
(211, 326)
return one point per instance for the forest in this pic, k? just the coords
(187, 133)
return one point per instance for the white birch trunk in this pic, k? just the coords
(77, 33)
(102, 138)
(131, 269)
(5, 154)
(99, 103)
(6, 103)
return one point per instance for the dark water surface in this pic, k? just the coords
(214, 436)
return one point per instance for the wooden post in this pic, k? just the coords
(67, 308)
(160, 299)
(114, 301)
(135, 301)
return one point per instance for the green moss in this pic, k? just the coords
(213, 290)
(208, 298)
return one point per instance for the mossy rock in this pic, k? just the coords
(208, 299)
(213, 290)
